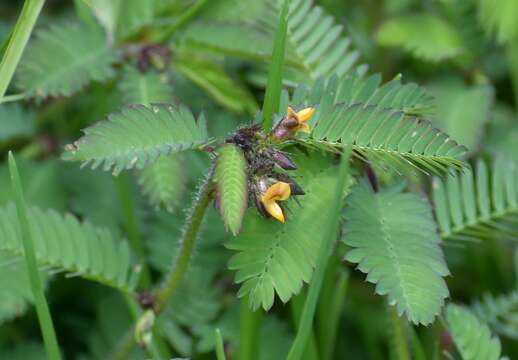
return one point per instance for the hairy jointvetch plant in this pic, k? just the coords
(382, 123)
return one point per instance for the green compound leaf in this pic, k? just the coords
(137, 136)
(480, 204)
(319, 42)
(65, 58)
(440, 41)
(231, 181)
(63, 243)
(472, 338)
(275, 258)
(383, 123)
(396, 244)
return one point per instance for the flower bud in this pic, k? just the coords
(283, 161)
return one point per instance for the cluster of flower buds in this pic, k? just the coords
(267, 187)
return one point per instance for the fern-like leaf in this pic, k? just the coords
(472, 338)
(320, 43)
(65, 58)
(137, 136)
(395, 243)
(499, 312)
(62, 242)
(277, 258)
(383, 123)
(480, 204)
(232, 186)
(440, 41)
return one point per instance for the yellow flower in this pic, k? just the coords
(279, 191)
(302, 117)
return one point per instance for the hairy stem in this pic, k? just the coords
(21, 33)
(190, 234)
(180, 263)
(42, 308)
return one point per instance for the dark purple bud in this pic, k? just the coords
(146, 300)
(284, 128)
(280, 132)
(295, 188)
(283, 161)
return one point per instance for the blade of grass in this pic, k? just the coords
(19, 38)
(330, 307)
(218, 340)
(306, 322)
(272, 97)
(249, 328)
(42, 308)
(296, 305)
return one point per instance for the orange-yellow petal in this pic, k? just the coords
(305, 114)
(274, 210)
(304, 128)
(278, 191)
(291, 112)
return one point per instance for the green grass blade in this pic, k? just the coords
(249, 328)
(20, 36)
(272, 97)
(218, 339)
(42, 308)
(306, 321)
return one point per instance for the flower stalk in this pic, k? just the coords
(190, 234)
